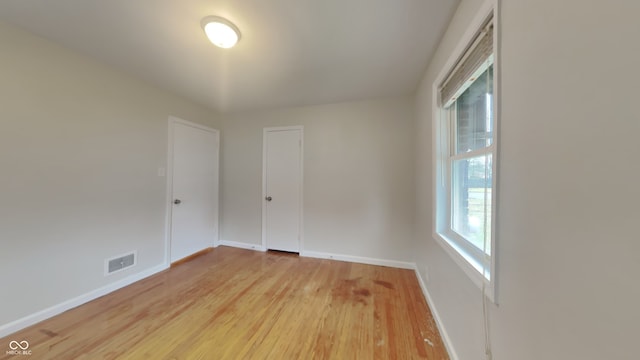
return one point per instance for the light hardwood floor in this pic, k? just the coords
(241, 304)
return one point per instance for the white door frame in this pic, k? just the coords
(264, 182)
(169, 196)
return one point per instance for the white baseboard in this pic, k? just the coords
(17, 325)
(443, 332)
(358, 259)
(235, 244)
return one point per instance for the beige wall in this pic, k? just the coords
(358, 176)
(80, 148)
(568, 249)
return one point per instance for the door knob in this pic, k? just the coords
(268, 198)
(177, 201)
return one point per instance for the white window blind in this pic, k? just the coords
(475, 60)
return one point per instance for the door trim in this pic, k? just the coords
(169, 187)
(264, 183)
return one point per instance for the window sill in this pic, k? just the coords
(470, 266)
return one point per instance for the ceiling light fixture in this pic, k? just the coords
(220, 31)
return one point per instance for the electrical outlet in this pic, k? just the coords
(425, 272)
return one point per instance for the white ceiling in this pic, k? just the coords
(292, 52)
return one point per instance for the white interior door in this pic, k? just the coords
(194, 189)
(282, 185)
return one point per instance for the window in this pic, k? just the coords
(464, 124)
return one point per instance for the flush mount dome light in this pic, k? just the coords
(220, 31)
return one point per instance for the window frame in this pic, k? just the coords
(465, 254)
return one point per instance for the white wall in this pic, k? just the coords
(568, 243)
(80, 148)
(358, 176)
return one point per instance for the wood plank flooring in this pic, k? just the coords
(240, 304)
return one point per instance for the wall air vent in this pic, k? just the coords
(120, 263)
